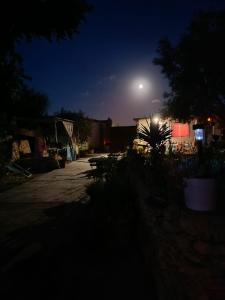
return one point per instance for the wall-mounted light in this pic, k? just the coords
(199, 135)
(155, 120)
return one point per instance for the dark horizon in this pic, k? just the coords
(96, 70)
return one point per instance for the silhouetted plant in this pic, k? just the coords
(212, 165)
(112, 193)
(105, 169)
(155, 135)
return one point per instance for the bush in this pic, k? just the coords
(112, 190)
(119, 183)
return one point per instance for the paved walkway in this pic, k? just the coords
(25, 204)
(54, 246)
(60, 185)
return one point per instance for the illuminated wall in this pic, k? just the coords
(180, 130)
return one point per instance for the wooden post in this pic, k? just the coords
(56, 133)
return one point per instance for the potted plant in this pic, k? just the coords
(200, 179)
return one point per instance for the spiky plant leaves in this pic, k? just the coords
(155, 134)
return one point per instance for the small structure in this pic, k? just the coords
(44, 137)
(99, 139)
(61, 136)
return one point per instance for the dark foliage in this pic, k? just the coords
(12, 80)
(40, 18)
(112, 192)
(119, 184)
(25, 20)
(30, 103)
(195, 67)
(155, 135)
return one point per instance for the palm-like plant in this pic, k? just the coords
(155, 134)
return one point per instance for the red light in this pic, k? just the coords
(180, 130)
(106, 142)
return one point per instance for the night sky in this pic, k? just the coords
(100, 69)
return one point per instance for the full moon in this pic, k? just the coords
(140, 88)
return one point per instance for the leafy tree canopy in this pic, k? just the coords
(82, 123)
(48, 19)
(30, 103)
(195, 67)
(26, 19)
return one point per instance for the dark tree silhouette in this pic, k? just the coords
(30, 103)
(195, 67)
(40, 18)
(26, 19)
(12, 80)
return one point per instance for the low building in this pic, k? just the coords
(99, 139)
(183, 134)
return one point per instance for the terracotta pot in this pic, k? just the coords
(200, 193)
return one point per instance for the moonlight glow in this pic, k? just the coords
(140, 88)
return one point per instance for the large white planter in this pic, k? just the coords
(200, 193)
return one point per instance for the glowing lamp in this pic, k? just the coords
(155, 120)
(199, 134)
